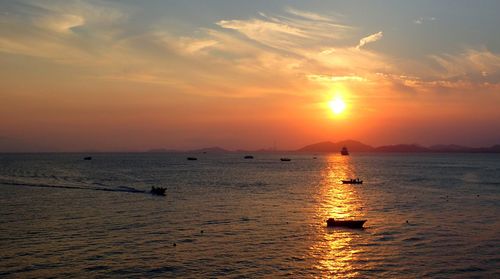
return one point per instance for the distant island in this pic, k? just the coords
(354, 146)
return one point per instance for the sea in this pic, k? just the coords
(223, 216)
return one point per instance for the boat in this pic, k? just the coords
(344, 151)
(248, 157)
(352, 181)
(87, 158)
(285, 159)
(353, 224)
(158, 191)
(192, 158)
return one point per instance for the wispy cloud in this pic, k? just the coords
(62, 23)
(326, 78)
(479, 65)
(273, 34)
(289, 32)
(192, 45)
(471, 70)
(421, 20)
(308, 15)
(59, 30)
(265, 54)
(370, 39)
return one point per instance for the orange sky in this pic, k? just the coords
(103, 76)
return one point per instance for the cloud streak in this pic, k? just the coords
(370, 39)
(307, 15)
(422, 20)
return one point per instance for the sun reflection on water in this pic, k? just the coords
(334, 250)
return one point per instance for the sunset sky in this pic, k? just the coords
(135, 75)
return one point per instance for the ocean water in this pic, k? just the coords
(429, 215)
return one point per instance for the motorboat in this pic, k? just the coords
(87, 158)
(353, 224)
(352, 181)
(192, 158)
(248, 157)
(285, 159)
(158, 191)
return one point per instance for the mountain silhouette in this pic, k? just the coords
(403, 148)
(328, 146)
(214, 149)
(356, 146)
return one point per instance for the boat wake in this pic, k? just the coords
(125, 189)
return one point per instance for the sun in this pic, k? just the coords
(337, 105)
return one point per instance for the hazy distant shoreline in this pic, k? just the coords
(321, 147)
(353, 146)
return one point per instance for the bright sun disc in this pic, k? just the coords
(337, 105)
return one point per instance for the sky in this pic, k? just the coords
(136, 75)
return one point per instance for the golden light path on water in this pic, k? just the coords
(334, 251)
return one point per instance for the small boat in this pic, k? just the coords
(353, 224)
(344, 151)
(248, 157)
(158, 191)
(352, 181)
(192, 158)
(87, 158)
(285, 159)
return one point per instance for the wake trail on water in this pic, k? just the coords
(124, 189)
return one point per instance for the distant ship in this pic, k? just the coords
(344, 151)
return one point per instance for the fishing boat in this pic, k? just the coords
(352, 181)
(248, 157)
(158, 191)
(344, 151)
(192, 158)
(285, 159)
(353, 224)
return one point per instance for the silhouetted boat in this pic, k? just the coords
(344, 151)
(352, 181)
(87, 158)
(158, 191)
(248, 157)
(353, 224)
(285, 159)
(192, 158)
